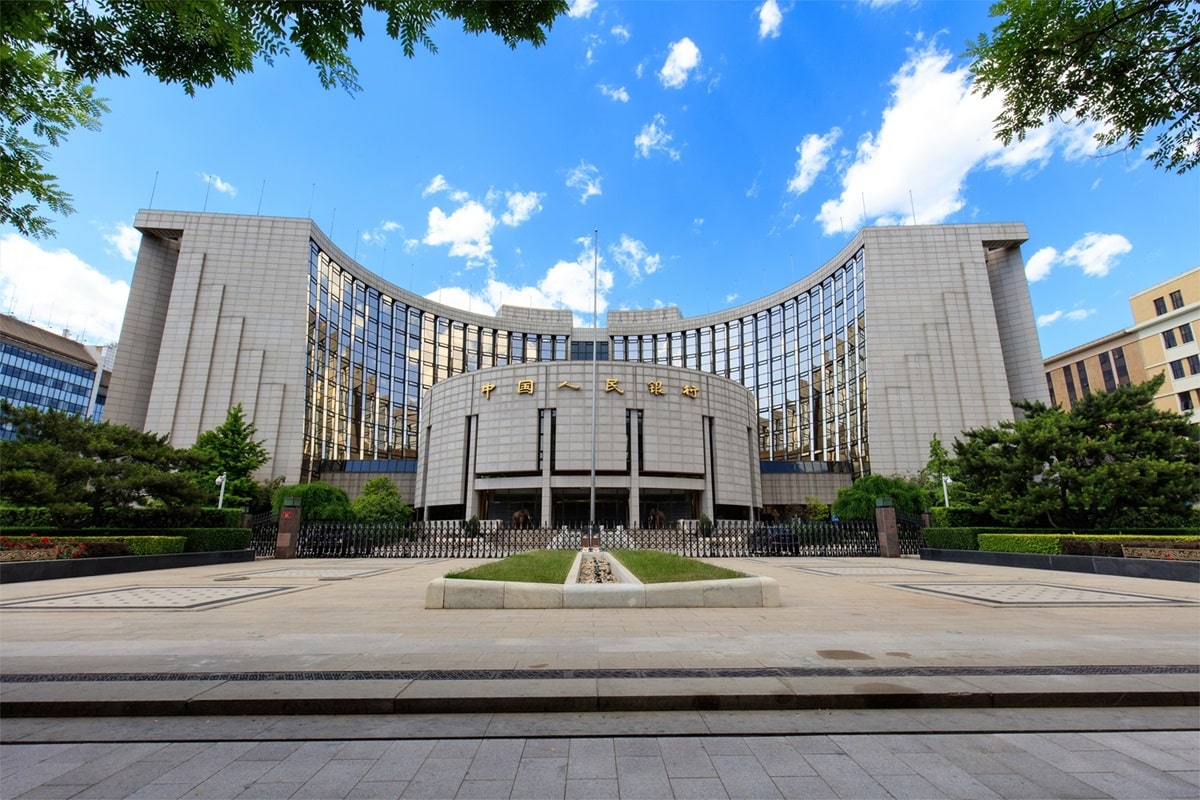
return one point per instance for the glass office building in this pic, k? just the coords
(332, 362)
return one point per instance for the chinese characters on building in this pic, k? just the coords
(656, 388)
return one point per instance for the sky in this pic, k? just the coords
(704, 154)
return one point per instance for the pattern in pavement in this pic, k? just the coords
(181, 598)
(1039, 594)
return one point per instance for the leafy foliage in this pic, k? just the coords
(380, 501)
(858, 501)
(318, 501)
(51, 49)
(231, 449)
(77, 468)
(1113, 456)
(1133, 66)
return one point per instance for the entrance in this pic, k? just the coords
(571, 507)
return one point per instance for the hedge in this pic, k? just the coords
(1021, 543)
(951, 538)
(196, 540)
(1111, 546)
(127, 518)
(138, 545)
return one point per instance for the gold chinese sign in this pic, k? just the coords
(656, 388)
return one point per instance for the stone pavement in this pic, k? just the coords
(874, 678)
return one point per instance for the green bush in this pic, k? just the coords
(205, 540)
(858, 501)
(951, 538)
(1111, 546)
(25, 517)
(168, 519)
(1020, 543)
(318, 501)
(107, 549)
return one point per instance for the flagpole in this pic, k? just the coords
(595, 354)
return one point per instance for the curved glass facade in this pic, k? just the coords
(370, 356)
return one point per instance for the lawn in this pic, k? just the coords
(552, 566)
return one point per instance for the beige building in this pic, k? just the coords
(906, 332)
(1161, 341)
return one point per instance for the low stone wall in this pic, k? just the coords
(753, 591)
(1161, 569)
(20, 571)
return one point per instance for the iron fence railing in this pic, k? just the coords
(264, 531)
(491, 539)
(911, 533)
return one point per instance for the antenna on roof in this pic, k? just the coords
(261, 192)
(311, 195)
(153, 189)
(913, 206)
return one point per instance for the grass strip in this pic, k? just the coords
(655, 566)
(535, 566)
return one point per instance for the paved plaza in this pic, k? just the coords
(874, 678)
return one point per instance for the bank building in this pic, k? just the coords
(905, 333)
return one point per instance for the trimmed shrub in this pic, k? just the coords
(169, 519)
(204, 540)
(25, 517)
(106, 549)
(136, 545)
(951, 538)
(1020, 543)
(318, 501)
(1111, 546)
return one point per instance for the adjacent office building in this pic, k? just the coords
(1162, 340)
(52, 372)
(905, 333)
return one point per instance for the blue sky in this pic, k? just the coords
(720, 149)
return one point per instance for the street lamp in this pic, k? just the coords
(221, 498)
(946, 481)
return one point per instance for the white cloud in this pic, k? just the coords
(467, 230)
(521, 206)
(615, 93)
(581, 8)
(567, 284)
(55, 289)
(378, 234)
(587, 179)
(814, 156)
(933, 133)
(1097, 253)
(633, 257)
(654, 137)
(683, 58)
(438, 184)
(221, 186)
(770, 18)
(1040, 263)
(729, 298)
(620, 32)
(126, 240)
(1075, 315)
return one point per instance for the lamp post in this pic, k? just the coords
(221, 497)
(946, 481)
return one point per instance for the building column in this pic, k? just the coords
(546, 503)
(635, 490)
(885, 524)
(470, 500)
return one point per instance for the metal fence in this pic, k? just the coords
(491, 539)
(264, 531)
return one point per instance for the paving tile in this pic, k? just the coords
(300, 765)
(17, 756)
(686, 757)
(162, 791)
(872, 755)
(1017, 787)
(744, 777)
(844, 776)
(726, 746)
(643, 777)
(203, 765)
(546, 748)
(400, 762)
(269, 791)
(270, 751)
(1152, 753)
(636, 746)
(914, 787)
(592, 789)
(592, 759)
(814, 744)
(540, 777)
(699, 788)
(17, 781)
(376, 790)
(1120, 786)
(128, 780)
(948, 778)
(808, 788)
(334, 778)
(778, 757)
(1052, 780)
(496, 759)
(438, 778)
(231, 780)
(52, 791)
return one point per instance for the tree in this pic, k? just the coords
(1112, 456)
(318, 501)
(1132, 66)
(50, 51)
(230, 449)
(61, 461)
(858, 501)
(380, 501)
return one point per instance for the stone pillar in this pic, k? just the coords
(885, 523)
(634, 510)
(289, 528)
(471, 500)
(546, 502)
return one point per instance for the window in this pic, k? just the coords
(1106, 371)
(1185, 332)
(1185, 401)
(1070, 384)
(1050, 386)
(1194, 365)
(1084, 386)
(1176, 299)
(1119, 362)
(1177, 368)
(1169, 339)
(1160, 306)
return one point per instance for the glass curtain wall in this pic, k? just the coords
(370, 356)
(803, 358)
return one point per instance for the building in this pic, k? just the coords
(1161, 341)
(42, 369)
(905, 333)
